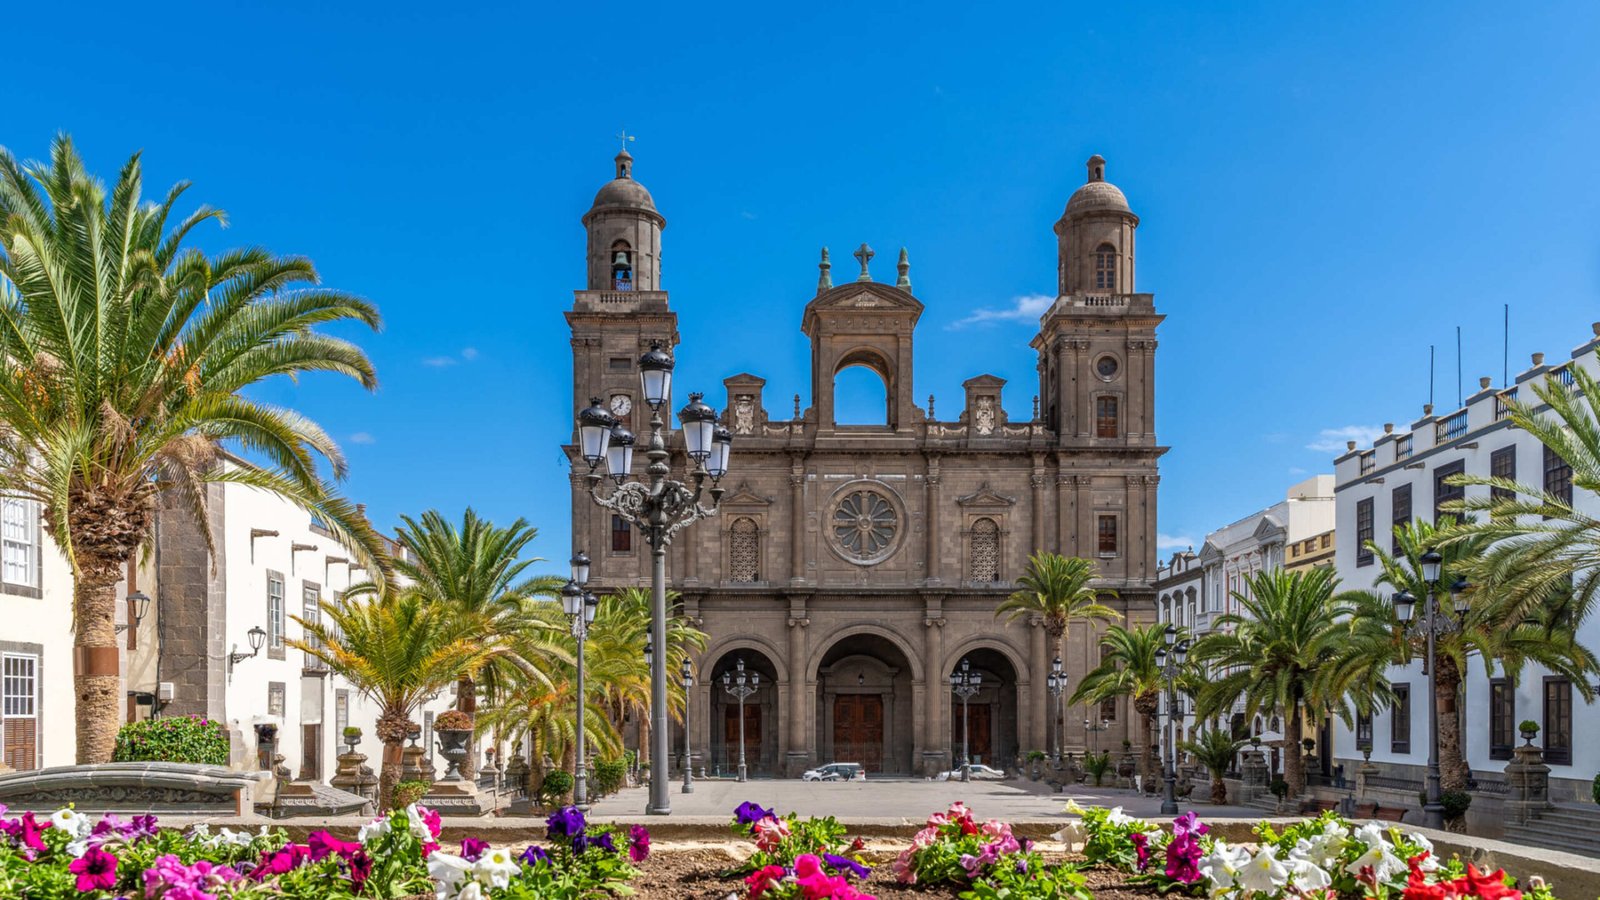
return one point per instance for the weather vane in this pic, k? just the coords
(625, 138)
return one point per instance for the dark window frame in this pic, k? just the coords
(1106, 540)
(621, 535)
(1557, 740)
(1107, 416)
(1365, 523)
(1399, 514)
(1503, 464)
(1557, 476)
(1502, 718)
(1444, 493)
(1105, 267)
(1400, 720)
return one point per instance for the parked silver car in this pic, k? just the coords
(836, 772)
(980, 772)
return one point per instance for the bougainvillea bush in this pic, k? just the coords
(70, 855)
(1325, 857)
(180, 739)
(984, 858)
(798, 858)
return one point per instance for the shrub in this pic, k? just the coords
(1036, 756)
(409, 792)
(181, 739)
(1597, 789)
(608, 776)
(557, 784)
(452, 720)
(1097, 765)
(352, 731)
(1455, 804)
(1279, 788)
(1528, 726)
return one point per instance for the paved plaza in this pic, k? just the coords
(910, 799)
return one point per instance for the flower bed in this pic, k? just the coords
(956, 855)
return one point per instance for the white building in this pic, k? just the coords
(36, 693)
(1401, 477)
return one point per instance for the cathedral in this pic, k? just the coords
(856, 567)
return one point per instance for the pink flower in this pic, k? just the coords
(925, 838)
(31, 831)
(96, 870)
(430, 818)
(904, 871)
(323, 845)
(759, 881)
(770, 832)
(996, 828)
(638, 843)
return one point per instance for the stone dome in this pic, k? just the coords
(1097, 194)
(623, 191)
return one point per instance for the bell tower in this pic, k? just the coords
(618, 314)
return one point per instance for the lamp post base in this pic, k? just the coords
(742, 777)
(653, 810)
(688, 787)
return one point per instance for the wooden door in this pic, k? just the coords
(977, 733)
(311, 752)
(752, 736)
(858, 730)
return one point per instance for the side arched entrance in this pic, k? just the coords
(758, 711)
(866, 705)
(988, 720)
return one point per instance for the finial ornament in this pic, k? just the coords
(865, 255)
(625, 138)
(930, 409)
(904, 266)
(1097, 168)
(797, 407)
(624, 158)
(825, 275)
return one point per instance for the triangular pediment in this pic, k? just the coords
(744, 495)
(1209, 553)
(986, 496)
(994, 381)
(1268, 528)
(859, 295)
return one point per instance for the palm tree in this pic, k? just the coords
(127, 357)
(396, 648)
(1539, 546)
(1278, 652)
(476, 568)
(1059, 589)
(1128, 668)
(1493, 628)
(1215, 748)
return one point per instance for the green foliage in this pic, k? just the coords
(1097, 765)
(352, 731)
(409, 792)
(1109, 835)
(1528, 726)
(608, 777)
(1455, 803)
(1279, 788)
(1597, 789)
(1215, 748)
(181, 739)
(557, 784)
(1030, 878)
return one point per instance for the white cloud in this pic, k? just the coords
(1333, 440)
(1027, 308)
(1296, 470)
(469, 354)
(363, 437)
(440, 362)
(1173, 542)
(747, 214)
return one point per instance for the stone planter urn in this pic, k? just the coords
(1528, 734)
(1126, 767)
(453, 747)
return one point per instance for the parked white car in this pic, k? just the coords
(836, 772)
(980, 772)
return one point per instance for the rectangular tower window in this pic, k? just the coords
(1557, 477)
(1558, 721)
(1400, 720)
(1444, 492)
(1364, 526)
(1502, 718)
(275, 615)
(621, 535)
(1105, 417)
(1503, 464)
(1108, 536)
(1400, 510)
(311, 614)
(621, 364)
(19, 711)
(21, 538)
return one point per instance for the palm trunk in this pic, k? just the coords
(1294, 769)
(467, 702)
(1148, 706)
(96, 677)
(1453, 768)
(1219, 789)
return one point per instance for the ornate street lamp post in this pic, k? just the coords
(580, 606)
(1432, 627)
(687, 675)
(1171, 663)
(1056, 681)
(741, 687)
(660, 507)
(966, 684)
(1095, 730)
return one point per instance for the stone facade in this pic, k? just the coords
(855, 566)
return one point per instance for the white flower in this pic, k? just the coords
(449, 870)
(1118, 817)
(1265, 872)
(234, 838)
(1221, 868)
(1381, 860)
(1305, 875)
(77, 848)
(1431, 863)
(471, 891)
(496, 867)
(71, 821)
(199, 830)
(373, 830)
(419, 828)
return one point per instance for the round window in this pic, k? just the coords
(865, 526)
(1106, 367)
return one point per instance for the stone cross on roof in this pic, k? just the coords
(625, 138)
(865, 255)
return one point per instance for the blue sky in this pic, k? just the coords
(1324, 193)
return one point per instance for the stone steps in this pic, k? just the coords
(1573, 829)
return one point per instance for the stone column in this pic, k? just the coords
(1527, 784)
(1083, 488)
(798, 757)
(1039, 694)
(797, 525)
(931, 521)
(935, 739)
(1083, 387)
(1037, 541)
(1066, 515)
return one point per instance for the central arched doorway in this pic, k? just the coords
(865, 709)
(990, 724)
(759, 710)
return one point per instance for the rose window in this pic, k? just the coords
(865, 525)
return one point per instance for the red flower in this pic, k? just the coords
(761, 879)
(968, 827)
(96, 870)
(1488, 885)
(360, 868)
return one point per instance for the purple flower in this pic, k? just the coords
(604, 842)
(580, 843)
(840, 864)
(472, 848)
(565, 822)
(1189, 823)
(96, 870)
(143, 826)
(1183, 858)
(278, 862)
(638, 843)
(535, 855)
(750, 813)
(110, 824)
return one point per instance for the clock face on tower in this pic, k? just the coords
(621, 405)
